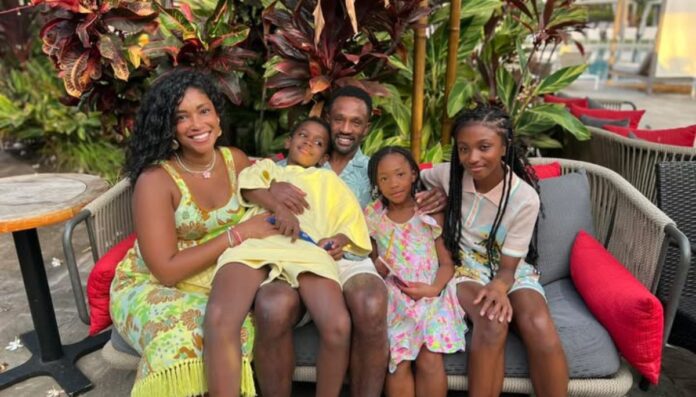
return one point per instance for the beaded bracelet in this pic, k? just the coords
(237, 236)
(229, 238)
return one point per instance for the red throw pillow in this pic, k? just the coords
(582, 102)
(99, 284)
(630, 313)
(425, 166)
(544, 171)
(684, 136)
(633, 116)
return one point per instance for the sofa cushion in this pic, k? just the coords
(587, 345)
(566, 209)
(544, 171)
(600, 123)
(685, 136)
(632, 315)
(120, 344)
(634, 116)
(567, 101)
(99, 284)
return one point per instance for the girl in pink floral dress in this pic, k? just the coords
(424, 317)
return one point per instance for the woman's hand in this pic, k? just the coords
(256, 227)
(431, 201)
(290, 195)
(334, 245)
(286, 222)
(417, 290)
(495, 301)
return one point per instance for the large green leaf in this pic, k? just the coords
(177, 24)
(461, 92)
(506, 87)
(543, 141)
(475, 7)
(560, 79)
(560, 116)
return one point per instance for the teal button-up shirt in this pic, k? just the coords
(355, 176)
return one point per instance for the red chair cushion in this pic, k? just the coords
(633, 116)
(582, 102)
(630, 313)
(684, 136)
(425, 166)
(99, 284)
(544, 171)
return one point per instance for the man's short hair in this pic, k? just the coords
(354, 92)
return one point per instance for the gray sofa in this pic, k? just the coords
(596, 199)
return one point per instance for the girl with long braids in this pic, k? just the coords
(490, 229)
(423, 315)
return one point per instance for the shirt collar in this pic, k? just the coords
(492, 195)
(359, 160)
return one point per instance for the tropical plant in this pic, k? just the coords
(206, 39)
(519, 34)
(497, 40)
(16, 35)
(31, 114)
(320, 45)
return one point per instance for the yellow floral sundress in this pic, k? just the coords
(165, 325)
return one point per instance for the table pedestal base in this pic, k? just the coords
(63, 370)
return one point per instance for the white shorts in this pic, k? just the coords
(347, 269)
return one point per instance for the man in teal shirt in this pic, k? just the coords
(277, 306)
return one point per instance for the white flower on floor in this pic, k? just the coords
(55, 262)
(54, 393)
(14, 345)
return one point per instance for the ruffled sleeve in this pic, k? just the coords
(257, 176)
(373, 215)
(430, 221)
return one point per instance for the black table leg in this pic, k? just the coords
(49, 356)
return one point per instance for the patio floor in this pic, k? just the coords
(679, 366)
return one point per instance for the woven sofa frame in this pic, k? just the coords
(632, 228)
(634, 159)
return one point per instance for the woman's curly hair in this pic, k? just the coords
(155, 127)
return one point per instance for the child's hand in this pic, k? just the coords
(417, 290)
(494, 300)
(334, 245)
(286, 222)
(381, 268)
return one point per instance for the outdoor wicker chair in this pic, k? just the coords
(676, 196)
(634, 159)
(633, 230)
(613, 104)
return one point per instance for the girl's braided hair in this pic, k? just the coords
(515, 160)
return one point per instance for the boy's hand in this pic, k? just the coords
(290, 195)
(334, 245)
(417, 290)
(494, 301)
(431, 201)
(286, 222)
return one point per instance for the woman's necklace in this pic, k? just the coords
(205, 173)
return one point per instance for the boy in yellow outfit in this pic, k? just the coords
(333, 222)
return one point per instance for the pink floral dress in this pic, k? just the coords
(438, 323)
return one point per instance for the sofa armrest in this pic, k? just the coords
(108, 220)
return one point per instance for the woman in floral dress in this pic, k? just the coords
(186, 213)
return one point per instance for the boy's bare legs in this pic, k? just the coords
(401, 382)
(231, 297)
(431, 380)
(486, 353)
(277, 309)
(547, 363)
(324, 301)
(366, 297)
